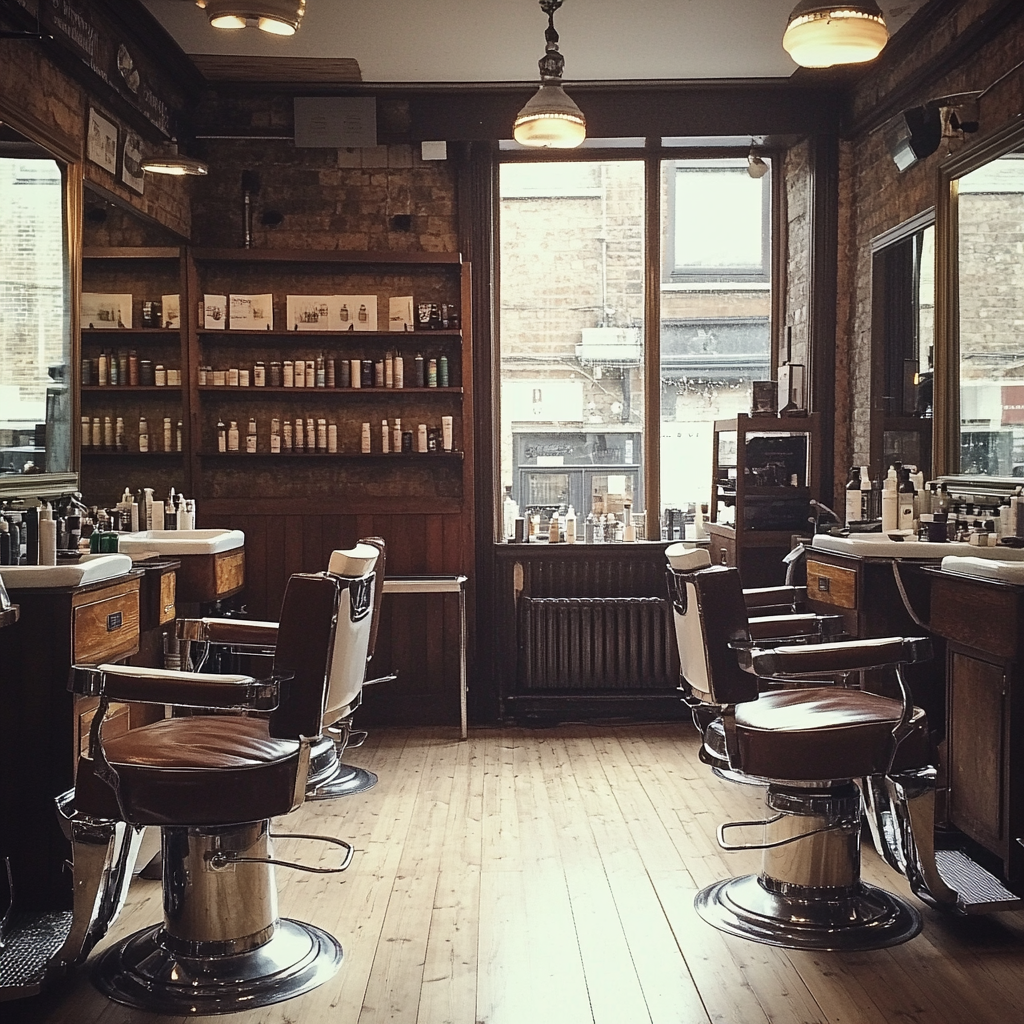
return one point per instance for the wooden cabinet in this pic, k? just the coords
(765, 471)
(983, 621)
(42, 724)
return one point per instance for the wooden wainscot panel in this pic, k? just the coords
(831, 584)
(978, 615)
(105, 625)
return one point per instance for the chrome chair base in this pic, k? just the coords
(143, 973)
(347, 781)
(862, 918)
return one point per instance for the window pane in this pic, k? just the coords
(715, 328)
(991, 230)
(571, 308)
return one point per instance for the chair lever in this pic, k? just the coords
(223, 858)
(731, 847)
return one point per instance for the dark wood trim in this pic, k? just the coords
(162, 252)
(909, 227)
(779, 262)
(323, 256)
(652, 338)
(61, 146)
(821, 300)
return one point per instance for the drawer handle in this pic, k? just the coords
(114, 621)
(824, 583)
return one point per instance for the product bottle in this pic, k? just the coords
(250, 437)
(396, 435)
(321, 371)
(104, 367)
(399, 371)
(275, 436)
(442, 372)
(364, 441)
(389, 370)
(510, 512)
(222, 437)
(300, 436)
(233, 435)
(853, 496)
(287, 437)
(890, 506)
(321, 435)
(177, 437)
(47, 536)
(332, 438)
(588, 529)
(171, 511)
(143, 434)
(432, 373)
(419, 378)
(168, 434)
(905, 501)
(385, 437)
(108, 432)
(133, 368)
(570, 526)
(553, 530)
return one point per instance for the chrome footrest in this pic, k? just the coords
(978, 891)
(31, 941)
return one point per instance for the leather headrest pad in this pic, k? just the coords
(687, 559)
(355, 562)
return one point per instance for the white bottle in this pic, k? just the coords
(396, 435)
(365, 439)
(399, 371)
(700, 531)
(385, 437)
(275, 436)
(510, 511)
(233, 435)
(570, 526)
(168, 435)
(47, 536)
(250, 438)
(890, 509)
(143, 435)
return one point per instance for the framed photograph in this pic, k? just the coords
(400, 314)
(312, 313)
(215, 312)
(171, 311)
(357, 312)
(764, 398)
(101, 143)
(100, 310)
(251, 312)
(132, 173)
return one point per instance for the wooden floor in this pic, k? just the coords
(548, 878)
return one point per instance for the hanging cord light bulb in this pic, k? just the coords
(756, 167)
(550, 118)
(821, 35)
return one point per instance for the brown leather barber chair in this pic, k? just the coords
(362, 568)
(809, 746)
(211, 783)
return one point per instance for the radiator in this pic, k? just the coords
(596, 643)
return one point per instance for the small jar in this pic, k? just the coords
(288, 376)
(160, 375)
(275, 374)
(259, 374)
(219, 378)
(202, 376)
(146, 377)
(232, 377)
(243, 378)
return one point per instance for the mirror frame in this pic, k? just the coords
(946, 411)
(67, 152)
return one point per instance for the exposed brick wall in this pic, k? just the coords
(875, 196)
(796, 172)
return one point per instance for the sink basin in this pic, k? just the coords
(989, 568)
(876, 545)
(179, 542)
(89, 569)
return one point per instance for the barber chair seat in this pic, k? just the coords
(211, 783)
(810, 746)
(329, 776)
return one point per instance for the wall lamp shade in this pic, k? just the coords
(175, 164)
(820, 35)
(278, 17)
(550, 119)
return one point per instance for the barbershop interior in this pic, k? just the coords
(465, 469)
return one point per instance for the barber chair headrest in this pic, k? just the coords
(687, 559)
(355, 562)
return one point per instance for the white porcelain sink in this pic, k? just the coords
(89, 569)
(988, 568)
(179, 542)
(877, 545)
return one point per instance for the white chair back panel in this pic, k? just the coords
(690, 639)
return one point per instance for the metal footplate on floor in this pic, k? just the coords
(978, 891)
(30, 942)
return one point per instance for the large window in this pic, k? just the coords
(574, 258)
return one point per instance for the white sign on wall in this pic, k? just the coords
(559, 401)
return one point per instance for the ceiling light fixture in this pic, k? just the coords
(550, 119)
(820, 34)
(174, 163)
(756, 167)
(278, 17)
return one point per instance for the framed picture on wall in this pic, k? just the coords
(101, 144)
(132, 173)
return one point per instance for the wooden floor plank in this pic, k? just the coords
(548, 878)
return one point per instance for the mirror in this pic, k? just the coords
(37, 394)
(980, 398)
(902, 344)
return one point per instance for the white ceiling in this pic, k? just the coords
(501, 40)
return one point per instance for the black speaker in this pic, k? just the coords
(913, 135)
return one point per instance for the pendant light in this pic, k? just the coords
(550, 119)
(278, 17)
(820, 35)
(173, 162)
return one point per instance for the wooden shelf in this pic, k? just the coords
(354, 456)
(105, 332)
(89, 389)
(340, 256)
(111, 454)
(161, 252)
(298, 336)
(236, 390)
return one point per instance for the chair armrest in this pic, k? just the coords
(847, 656)
(183, 689)
(768, 627)
(771, 597)
(238, 632)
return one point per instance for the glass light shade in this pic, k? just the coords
(842, 35)
(279, 17)
(176, 165)
(550, 120)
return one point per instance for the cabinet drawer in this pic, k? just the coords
(106, 630)
(831, 584)
(230, 572)
(167, 591)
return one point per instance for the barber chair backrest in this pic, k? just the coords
(305, 641)
(354, 572)
(710, 615)
(378, 590)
